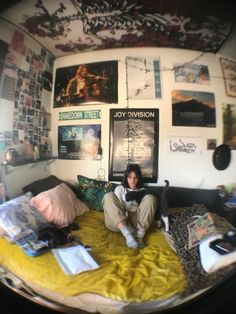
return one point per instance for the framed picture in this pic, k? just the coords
(229, 74)
(92, 83)
(134, 138)
(79, 141)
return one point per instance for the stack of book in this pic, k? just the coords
(231, 202)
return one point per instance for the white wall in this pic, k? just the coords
(195, 170)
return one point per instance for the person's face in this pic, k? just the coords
(83, 72)
(132, 180)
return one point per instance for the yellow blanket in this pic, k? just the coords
(153, 273)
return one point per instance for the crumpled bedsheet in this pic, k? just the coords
(130, 275)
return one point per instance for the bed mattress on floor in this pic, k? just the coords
(153, 274)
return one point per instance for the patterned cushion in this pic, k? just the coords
(91, 191)
(17, 215)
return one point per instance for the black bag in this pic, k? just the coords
(57, 236)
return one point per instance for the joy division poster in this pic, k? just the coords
(134, 138)
(193, 108)
(92, 83)
(148, 84)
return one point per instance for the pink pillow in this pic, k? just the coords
(59, 205)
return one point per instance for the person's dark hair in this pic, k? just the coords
(136, 169)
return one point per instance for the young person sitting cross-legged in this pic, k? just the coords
(129, 209)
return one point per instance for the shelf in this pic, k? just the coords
(30, 161)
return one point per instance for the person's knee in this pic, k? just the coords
(151, 198)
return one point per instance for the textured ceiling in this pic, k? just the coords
(71, 26)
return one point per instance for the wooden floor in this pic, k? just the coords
(221, 300)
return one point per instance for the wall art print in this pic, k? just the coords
(143, 78)
(229, 125)
(92, 83)
(229, 74)
(134, 138)
(184, 144)
(79, 141)
(191, 73)
(193, 108)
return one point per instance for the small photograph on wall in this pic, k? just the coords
(229, 74)
(191, 73)
(134, 138)
(92, 83)
(143, 76)
(229, 125)
(193, 108)
(79, 141)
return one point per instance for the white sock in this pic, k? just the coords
(130, 241)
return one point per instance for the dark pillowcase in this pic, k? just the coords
(45, 184)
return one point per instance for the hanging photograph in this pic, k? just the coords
(191, 108)
(134, 138)
(148, 84)
(79, 141)
(229, 125)
(191, 73)
(229, 74)
(92, 83)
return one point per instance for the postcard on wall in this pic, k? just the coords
(79, 141)
(193, 108)
(91, 83)
(134, 138)
(229, 74)
(143, 78)
(229, 123)
(191, 73)
(184, 144)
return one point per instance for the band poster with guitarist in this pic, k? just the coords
(91, 83)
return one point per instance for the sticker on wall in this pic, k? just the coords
(191, 73)
(193, 108)
(148, 84)
(184, 144)
(134, 138)
(229, 73)
(211, 143)
(79, 141)
(80, 115)
(93, 83)
(229, 125)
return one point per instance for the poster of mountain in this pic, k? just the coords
(193, 108)
(134, 138)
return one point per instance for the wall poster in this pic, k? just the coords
(79, 141)
(91, 83)
(191, 73)
(229, 73)
(148, 84)
(134, 138)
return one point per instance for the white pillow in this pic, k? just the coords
(18, 215)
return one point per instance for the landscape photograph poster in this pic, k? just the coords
(191, 73)
(143, 77)
(79, 141)
(134, 138)
(193, 108)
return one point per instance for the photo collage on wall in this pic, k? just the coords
(24, 75)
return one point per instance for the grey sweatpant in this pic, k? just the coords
(115, 212)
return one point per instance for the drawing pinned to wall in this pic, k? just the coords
(229, 73)
(134, 138)
(79, 141)
(148, 84)
(191, 73)
(193, 108)
(92, 83)
(184, 144)
(229, 125)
